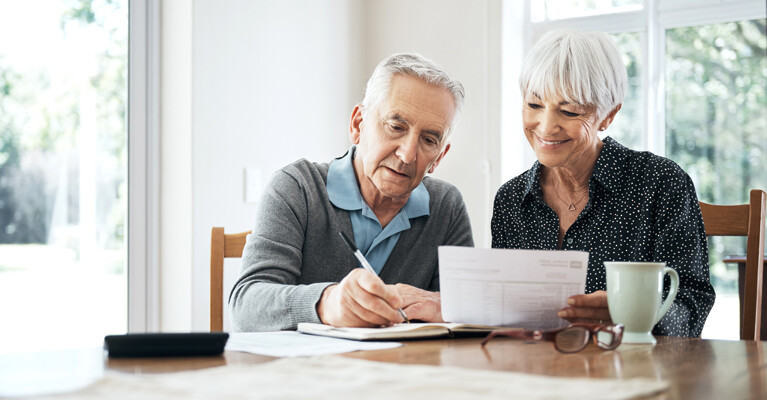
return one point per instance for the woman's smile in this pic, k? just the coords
(551, 142)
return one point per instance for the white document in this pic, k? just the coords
(519, 288)
(333, 377)
(295, 344)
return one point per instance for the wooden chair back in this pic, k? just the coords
(222, 245)
(744, 220)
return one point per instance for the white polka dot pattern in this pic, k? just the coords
(641, 207)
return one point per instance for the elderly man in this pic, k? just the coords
(296, 267)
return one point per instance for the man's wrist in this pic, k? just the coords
(320, 308)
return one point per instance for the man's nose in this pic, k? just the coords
(408, 148)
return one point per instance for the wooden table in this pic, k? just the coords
(696, 369)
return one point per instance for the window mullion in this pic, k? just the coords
(655, 98)
(143, 167)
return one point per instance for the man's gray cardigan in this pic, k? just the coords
(295, 250)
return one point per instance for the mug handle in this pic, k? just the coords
(671, 293)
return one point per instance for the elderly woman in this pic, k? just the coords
(586, 193)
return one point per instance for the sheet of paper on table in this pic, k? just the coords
(335, 377)
(520, 288)
(295, 344)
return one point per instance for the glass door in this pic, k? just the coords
(63, 170)
(716, 129)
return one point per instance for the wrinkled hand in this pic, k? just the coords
(361, 299)
(590, 308)
(420, 304)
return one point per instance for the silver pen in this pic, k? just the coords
(367, 266)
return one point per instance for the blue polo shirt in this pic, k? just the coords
(373, 241)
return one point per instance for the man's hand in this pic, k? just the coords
(591, 308)
(420, 304)
(362, 300)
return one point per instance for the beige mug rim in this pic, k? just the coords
(627, 263)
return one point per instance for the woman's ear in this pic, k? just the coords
(609, 118)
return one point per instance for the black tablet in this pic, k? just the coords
(166, 344)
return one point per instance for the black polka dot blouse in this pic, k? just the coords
(641, 207)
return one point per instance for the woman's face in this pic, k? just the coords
(561, 134)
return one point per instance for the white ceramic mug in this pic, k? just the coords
(634, 295)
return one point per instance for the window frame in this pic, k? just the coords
(653, 20)
(143, 166)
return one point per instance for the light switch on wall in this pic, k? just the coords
(253, 184)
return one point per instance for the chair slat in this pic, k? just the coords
(725, 220)
(222, 245)
(744, 220)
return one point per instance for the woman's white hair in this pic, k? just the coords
(415, 65)
(581, 67)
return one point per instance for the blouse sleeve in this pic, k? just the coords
(681, 243)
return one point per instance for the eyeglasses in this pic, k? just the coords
(570, 339)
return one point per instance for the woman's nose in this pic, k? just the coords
(547, 122)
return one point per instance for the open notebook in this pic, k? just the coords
(400, 331)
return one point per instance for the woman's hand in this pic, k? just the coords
(420, 304)
(590, 308)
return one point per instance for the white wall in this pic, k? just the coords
(175, 294)
(276, 81)
(463, 37)
(271, 84)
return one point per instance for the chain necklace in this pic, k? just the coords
(571, 206)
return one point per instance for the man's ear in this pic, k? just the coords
(355, 125)
(609, 118)
(439, 159)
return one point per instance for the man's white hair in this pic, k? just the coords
(581, 67)
(415, 65)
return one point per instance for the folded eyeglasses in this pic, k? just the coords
(570, 339)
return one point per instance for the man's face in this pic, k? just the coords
(401, 139)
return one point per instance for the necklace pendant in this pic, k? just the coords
(572, 207)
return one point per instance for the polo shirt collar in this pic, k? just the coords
(344, 192)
